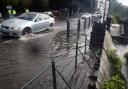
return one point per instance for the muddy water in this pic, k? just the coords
(122, 47)
(21, 59)
(121, 50)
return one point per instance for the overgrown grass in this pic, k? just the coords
(116, 81)
(115, 62)
(115, 19)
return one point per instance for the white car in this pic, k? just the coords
(26, 23)
(49, 13)
(86, 15)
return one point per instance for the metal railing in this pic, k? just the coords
(51, 71)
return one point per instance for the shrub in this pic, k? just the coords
(114, 21)
(115, 61)
(116, 81)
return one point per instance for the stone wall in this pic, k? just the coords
(100, 40)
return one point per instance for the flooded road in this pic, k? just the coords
(22, 58)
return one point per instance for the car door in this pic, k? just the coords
(38, 24)
(46, 22)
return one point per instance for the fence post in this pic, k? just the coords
(76, 56)
(78, 30)
(78, 34)
(85, 43)
(84, 24)
(88, 22)
(54, 75)
(68, 30)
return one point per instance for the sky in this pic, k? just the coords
(124, 2)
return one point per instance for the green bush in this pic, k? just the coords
(114, 21)
(115, 61)
(116, 81)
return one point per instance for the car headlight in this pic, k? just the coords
(15, 28)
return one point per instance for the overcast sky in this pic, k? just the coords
(124, 2)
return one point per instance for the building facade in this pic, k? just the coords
(103, 8)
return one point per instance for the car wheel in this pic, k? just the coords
(51, 25)
(26, 31)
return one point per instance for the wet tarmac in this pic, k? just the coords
(21, 59)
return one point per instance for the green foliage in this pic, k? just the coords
(114, 21)
(83, 5)
(115, 61)
(116, 81)
(118, 10)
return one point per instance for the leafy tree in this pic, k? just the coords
(41, 5)
(36, 5)
(84, 5)
(118, 10)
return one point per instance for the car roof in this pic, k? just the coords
(38, 13)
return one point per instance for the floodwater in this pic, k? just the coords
(21, 59)
(121, 44)
(121, 50)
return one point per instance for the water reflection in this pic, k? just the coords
(21, 60)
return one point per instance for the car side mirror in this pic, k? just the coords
(36, 20)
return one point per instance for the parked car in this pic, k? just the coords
(26, 23)
(49, 13)
(86, 15)
(56, 13)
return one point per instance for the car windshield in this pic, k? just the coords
(27, 16)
